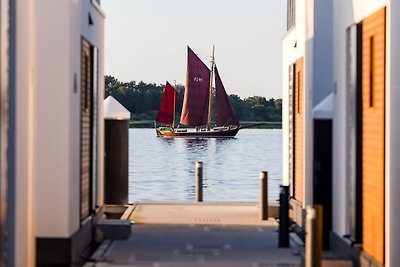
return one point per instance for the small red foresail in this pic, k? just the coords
(167, 107)
(225, 115)
(197, 91)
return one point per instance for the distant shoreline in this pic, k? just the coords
(267, 125)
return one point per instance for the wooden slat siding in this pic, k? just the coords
(85, 128)
(373, 140)
(298, 131)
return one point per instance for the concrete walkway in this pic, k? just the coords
(191, 234)
(220, 213)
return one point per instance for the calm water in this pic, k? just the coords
(164, 169)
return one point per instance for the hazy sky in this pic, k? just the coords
(146, 40)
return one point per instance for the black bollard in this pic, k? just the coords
(284, 217)
(116, 162)
(116, 152)
(263, 200)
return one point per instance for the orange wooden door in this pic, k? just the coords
(298, 182)
(373, 139)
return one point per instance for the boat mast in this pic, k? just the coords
(173, 114)
(211, 83)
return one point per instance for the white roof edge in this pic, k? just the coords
(115, 110)
(324, 109)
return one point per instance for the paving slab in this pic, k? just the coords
(234, 213)
(198, 245)
(197, 234)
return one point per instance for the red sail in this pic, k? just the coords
(167, 106)
(225, 115)
(197, 91)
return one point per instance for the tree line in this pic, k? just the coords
(143, 99)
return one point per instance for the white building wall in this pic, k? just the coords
(364, 8)
(74, 70)
(290, 55)
(101, 82)
(61, 25)
(343, 17)
(285, 115)
(55, 87)
(25, 117)
(303, 36)
(297, 44)
(95, 35)
(323, 43)
(308, 103)
(347, 13)
(392, 212)
(293, 48)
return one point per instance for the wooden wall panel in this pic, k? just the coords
(373, 139)
(298, 131)
(86, 82)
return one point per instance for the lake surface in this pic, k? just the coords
(164, 169)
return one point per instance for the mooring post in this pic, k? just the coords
(116, 160)
(199, 181)
(263, 200)
(313, 236)
(284, 217)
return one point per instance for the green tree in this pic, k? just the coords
(143, 99)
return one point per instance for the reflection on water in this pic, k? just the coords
(196, 143)
(163, 169)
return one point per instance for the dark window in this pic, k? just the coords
(291, 14)
(291, 124)
(371, 71)
(86, 86)
(298, 91)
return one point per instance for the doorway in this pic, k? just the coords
(88, 136)
(322, 173)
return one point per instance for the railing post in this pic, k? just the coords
(199, 181)
(263, 200)
(313, 236)
(284, 217)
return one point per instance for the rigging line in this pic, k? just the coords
(205, 57)
(211, 89)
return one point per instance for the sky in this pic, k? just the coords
(146, 40)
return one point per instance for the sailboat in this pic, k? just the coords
(196, 108)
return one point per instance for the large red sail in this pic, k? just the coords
(167, 106)
(225, 115)
(197, 91)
